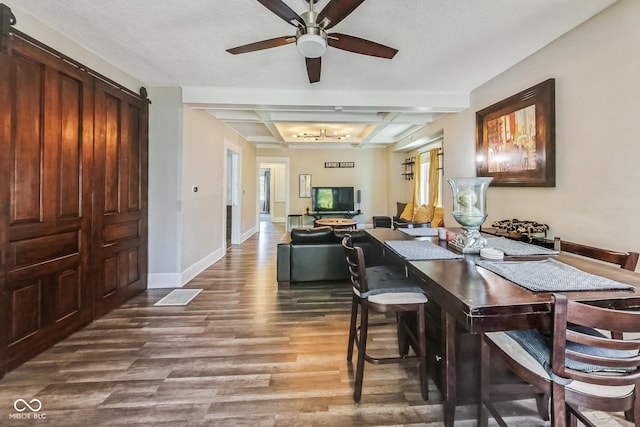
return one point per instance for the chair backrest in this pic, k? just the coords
(601, 354)
(356, 265)
(626, 260)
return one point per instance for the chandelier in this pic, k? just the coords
(321, 136)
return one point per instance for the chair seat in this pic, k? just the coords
(398, 298)
(523, 358)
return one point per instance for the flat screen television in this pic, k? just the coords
(332, 199)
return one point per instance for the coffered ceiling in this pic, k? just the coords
(446, 48)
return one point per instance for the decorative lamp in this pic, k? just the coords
(470, 211)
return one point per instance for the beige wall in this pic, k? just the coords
(597, 195)
(369, 176)
(204, 145)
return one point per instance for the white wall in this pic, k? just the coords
(597, 195)
(202, 215)
(165, 152)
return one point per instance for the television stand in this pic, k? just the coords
(337, 214)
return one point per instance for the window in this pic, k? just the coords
(425, 166)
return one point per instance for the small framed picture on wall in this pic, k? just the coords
(304, 185)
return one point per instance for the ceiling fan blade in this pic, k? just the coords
(313, 69)
(281, 9)
(264, 44)
(336, 10)
(362, 46)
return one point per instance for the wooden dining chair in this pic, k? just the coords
(574, 363)
(381, 289)
(626, 260)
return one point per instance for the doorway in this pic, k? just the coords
(273, 194)
(265, 194)
(231, 199)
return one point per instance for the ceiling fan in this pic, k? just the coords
(311, 34)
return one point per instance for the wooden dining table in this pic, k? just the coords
(466, 300)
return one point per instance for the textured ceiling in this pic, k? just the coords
(446, 48)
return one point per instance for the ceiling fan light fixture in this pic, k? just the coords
(311, 45)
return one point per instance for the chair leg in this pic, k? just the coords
(484, 394)
(422, 343)
(558, 406)
(403, 340)
(572, 420)
(352, 328)
(635, 412)
(542, 404)
(362, 349)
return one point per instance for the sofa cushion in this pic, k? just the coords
(407, 213)
(423, 214)
(400, 208)
(438, 217)
(301, 236)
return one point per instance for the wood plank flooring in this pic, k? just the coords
(242, 353)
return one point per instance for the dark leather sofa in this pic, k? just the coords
(316, 254)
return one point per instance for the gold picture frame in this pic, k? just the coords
(515, 139)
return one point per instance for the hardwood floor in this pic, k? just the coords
(241, 353)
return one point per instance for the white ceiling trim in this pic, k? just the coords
(329, 100)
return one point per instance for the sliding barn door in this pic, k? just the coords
(5, 132)
(73, 195)
(47, 138)
(120, 187)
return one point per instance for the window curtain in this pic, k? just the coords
(434, 177)
(416, 184)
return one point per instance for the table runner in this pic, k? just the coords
(420, 231)
(415, 250)
(550, 275)
(515, 248)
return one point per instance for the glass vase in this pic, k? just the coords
(470, 211)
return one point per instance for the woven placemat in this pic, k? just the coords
(512, 247)
(420, 231)
(550, 275)
(417, 250)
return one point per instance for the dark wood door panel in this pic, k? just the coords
(43, 310)
(121, 271)
(120, 155)
(118, 228)
(30, 252)
(26, 146)
(5, 132)
(73, 203)
(48, 225)
(50, 140)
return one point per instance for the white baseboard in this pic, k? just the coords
(248, 234)
(163, 280)
(201, 265)
(178, 280)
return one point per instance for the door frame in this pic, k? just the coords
(231, 149)
(260, 161)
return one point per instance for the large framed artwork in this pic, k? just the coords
(516, 138)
